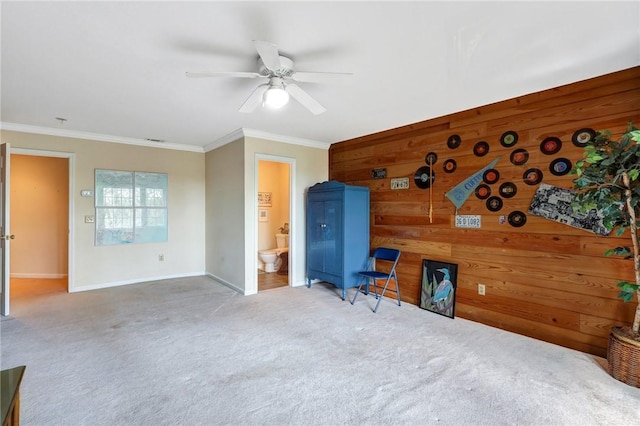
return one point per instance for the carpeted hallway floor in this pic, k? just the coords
(193, 352)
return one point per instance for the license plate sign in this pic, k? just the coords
(400, 183)
(468, 221)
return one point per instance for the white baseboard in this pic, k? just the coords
(76, 289)
(35, 276)
(226, 283)
(300, 283)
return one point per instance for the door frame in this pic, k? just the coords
(71, 157)
(292, 219)
(5, 221)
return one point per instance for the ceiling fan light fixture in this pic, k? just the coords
(282, 77)
(275, 97)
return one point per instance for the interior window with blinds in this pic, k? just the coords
(131, 207)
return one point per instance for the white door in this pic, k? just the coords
(5, 236)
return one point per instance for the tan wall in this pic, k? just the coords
(39, 216)
(222, 209)
(545, 279)
(225, 206)
(95, 267)
(309, 166)
(232, 230)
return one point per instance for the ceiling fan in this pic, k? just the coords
(279, 70)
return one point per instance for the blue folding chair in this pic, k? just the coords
(371, 276)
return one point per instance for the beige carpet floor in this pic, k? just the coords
(194, 352)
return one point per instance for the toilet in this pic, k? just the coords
(271, 257)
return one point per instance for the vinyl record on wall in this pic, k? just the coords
(494, 203)
(431, 158)
(481, 149)
(424, 177)
(449, 166)
(550, 145)
(509, 139)
(532, 176)
(508, 189)
(583, 136)
(483, 191)
(519, 156)
(560, 166)
(454, 141)
(517, 219)
(491, 176)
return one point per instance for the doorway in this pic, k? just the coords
(40, 218)
(273, 227)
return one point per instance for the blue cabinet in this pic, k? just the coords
(337, 233)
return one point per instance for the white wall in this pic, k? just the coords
(96, 267)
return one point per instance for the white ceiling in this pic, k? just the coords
(116, 70)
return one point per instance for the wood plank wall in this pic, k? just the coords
(544, 280)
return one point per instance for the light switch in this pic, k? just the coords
(86, 193)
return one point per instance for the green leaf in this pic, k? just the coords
(628, 290)
(618, 251)
(626, 286)
(627, 297)
(635, 135)
(633, 174)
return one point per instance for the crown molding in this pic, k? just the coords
(233, 136)
(96, 137)
(244, 132)
(252, 133)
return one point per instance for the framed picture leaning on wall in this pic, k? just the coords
(439, 283)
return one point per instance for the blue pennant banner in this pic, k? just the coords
(459, 194)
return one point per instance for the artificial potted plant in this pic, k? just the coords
(608, 179)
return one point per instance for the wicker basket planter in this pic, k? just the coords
(623, 358)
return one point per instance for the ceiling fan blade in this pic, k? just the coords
(318, 77)
(269, 54)
(223, 74)
(305, 99)
(254, 99)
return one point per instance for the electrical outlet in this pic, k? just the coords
(481, 289)
(89, 219)
(161, 257)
